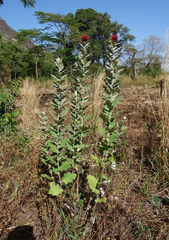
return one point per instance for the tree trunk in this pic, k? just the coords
(133, 63)
(36, 66)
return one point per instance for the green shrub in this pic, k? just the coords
(8, 113)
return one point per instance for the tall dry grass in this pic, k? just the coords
(143, 81)
(164, 163)
(28, 102)
(96, 99)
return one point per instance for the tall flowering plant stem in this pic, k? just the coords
(111, 129)
(54, 135)
(80, 96)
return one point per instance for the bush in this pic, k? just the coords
(8, 113)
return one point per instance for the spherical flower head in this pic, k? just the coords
(84, 38)
(114, 38)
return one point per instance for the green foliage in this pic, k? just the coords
(11, 59)
(111, 130)
(54, 133)
(66, 151)
(54, 190)
(44, 62)
(92, 181)
(64, 145)
(27, 3)
(70, 227)
(61, 42)
(98, 27)
(35, 53)
(34, 35)
(153, 71)
(61, 37)
(145, 59)
(95, 68)
(8, 114)
(80, 95)
(69, 28)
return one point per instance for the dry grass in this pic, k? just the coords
(28, 101)
(142, 80)
(96, 104)
(164, 164)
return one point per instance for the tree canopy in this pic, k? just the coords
(69, 28)
(60, 37)
(27, 3)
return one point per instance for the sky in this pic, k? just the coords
(142, 17)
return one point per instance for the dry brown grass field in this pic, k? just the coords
(137, 204)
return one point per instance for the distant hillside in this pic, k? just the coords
(8, 34)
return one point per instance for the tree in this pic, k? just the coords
(17, 55)
(46, 65)
(11, 59)
(27, 3)
(145, 58)
(62, 39)
(129, 57)
(151, 53)
(151, 47)
(34, 35)
(36, 53)
(99, 28)
(70, 28)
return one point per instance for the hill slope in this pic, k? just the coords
(8, 34)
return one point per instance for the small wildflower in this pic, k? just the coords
(84, 38)
(114, 38)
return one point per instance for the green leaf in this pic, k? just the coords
(88, 117)
(65, 165)
(100, 200)
(80, 146)
(63, 112)
(116, 101)
(54, 134)
(80, 202)
(104, 176)
(113, 137)
(46, 176)
(92, 181)
(44, 149)
(96, 160)
(68, 177)
(63, 142)
(112, 124)
(69, 147)
(53, 147)
(167, 198)
(55, 190)
(55, 170)
(103, 131)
